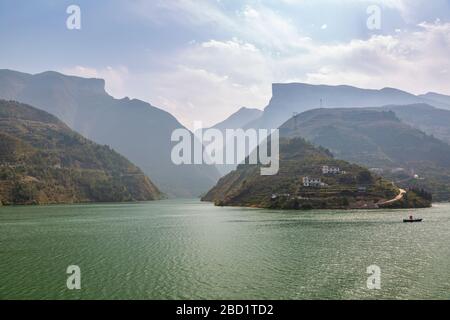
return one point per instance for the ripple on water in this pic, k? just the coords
(190, 250)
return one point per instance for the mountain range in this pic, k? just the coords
(288, 99)
(134, 128)
(357, 125)
(410, 139)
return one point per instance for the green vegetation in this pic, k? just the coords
(42, 161)
(378, 139)
(353, 188)
(134, 128)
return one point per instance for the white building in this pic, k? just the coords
(313, 182)
(275, 195)
(331, 170)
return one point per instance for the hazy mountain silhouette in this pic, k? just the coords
(134, 128)
(299, 97)
(293, 98)
(429, 119)
(437, 100)
(239, 119)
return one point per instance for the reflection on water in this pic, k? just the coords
(184, 249)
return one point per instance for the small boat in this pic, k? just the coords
(412, 220)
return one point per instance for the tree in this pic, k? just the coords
(364, 177)
(24, 193)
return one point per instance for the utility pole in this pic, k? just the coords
(295, 114)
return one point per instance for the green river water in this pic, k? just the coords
(185, 249)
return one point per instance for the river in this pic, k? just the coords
(186, 249)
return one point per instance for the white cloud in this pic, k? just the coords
(211, 79)
(414, 61)
(413, 10)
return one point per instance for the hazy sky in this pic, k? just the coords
(204, 59)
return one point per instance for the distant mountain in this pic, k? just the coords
(134, 128)
(428, 119)
(302, 184)
(42, 161)
(239, 119)
(379, 140)
(291, 98)
(437, 100)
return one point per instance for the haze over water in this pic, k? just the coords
(185, 249)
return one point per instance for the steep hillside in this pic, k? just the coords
(299, 97)
(428, 119)
(437, 100)
(134, 128)
(239, 119)
(42, 161)
(378, 140)
(351, 187)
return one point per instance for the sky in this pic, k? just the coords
(202, 60)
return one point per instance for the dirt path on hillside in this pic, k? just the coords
(397, 198)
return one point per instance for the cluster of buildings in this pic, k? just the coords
(309, 182)
(313, 182)
(332, 170)
(317, 182)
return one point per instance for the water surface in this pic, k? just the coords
(185, 249)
